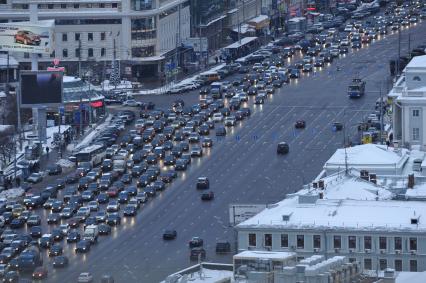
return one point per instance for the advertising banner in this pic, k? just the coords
(41, 88)
(27, 37)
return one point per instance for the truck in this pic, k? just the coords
(356, 88)
(216, 90)
(91, 233)
(119, 163)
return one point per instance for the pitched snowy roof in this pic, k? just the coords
(342, 186)
(341, 214)
(417, 62)
(368, 155)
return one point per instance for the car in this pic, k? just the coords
(35, 178)
(169, 235)
(132, 103)
(55, 250)
(300, 124)
(206, 142)
(46, 241)
(220, 131)
(207, 196)
(85, 277)
(130, 210)
(113, 206)
(217, 117)
(337, 126)
(60, 261)
(11, 277)
(36, 231)
(17, 223)
(282, 148)
(104, 229)
(197, 253)
(196, 151)
(54, 169)
(203, 183)
(259, 100)
(73, 236)
(83, 246)
(27, 37)
(230, 121)
(34, 220)
(39, 273)
(223, 247)
(113, 219)
(195, 242)
(307, 68)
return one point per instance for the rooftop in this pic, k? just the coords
(341, 214)
(417, 62)
(373, 155)
(412, 277)
(265, 255)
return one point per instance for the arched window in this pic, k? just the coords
(417, 78)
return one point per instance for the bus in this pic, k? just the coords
(210, 76)
(94, 154)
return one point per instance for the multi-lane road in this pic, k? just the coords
(243, 168)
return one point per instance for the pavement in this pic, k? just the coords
(242, 168)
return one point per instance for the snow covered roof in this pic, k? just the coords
(341, 214)
(342, 186)
(417, 62)
(237, 44)
(412, 277)
(265, 255)
(371, 155)
(69, 79)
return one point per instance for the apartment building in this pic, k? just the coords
(378, 234)
(409, 105)
(143, 35)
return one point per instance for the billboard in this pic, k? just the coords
(40, 88)
(27, 37)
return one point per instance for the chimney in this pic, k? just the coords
(373, 178)
(315, 185)
(321, 184)
(411, 181)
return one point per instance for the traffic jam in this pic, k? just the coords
(144, 149)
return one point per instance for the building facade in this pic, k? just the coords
(326, 227)
(409, 105)
(143, 35)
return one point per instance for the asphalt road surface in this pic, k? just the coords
(243, 168)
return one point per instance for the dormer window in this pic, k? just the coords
(417, 78)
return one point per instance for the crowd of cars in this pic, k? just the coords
(141, 153)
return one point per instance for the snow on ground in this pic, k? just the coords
(89, 138)
(105, 85)
(206, 276)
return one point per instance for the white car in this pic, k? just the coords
(85, 277)
(113, 206)
(230, 121)
(197, 151)
(35, 178)
(217, 117)
(132, 103)
(242, 96)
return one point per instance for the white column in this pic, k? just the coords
(34, 19)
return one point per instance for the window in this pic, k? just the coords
(39, 55)
(64, 37)
(102, 52)
(26, 55)
(89, 5)
(413, 244)
(398, 243)
(114, 5)
(90, 36)
(382, 243)
(65, 53)
(76, 6)
(49, 6)
(268, 240)
(52, 55)
(352, 242)
(398, 265)
(284, 240)
(300, 241)
(413, 265)
(77, 52)
(317, 241)
(367, 263)
(90, 52)
(77, 37)
(351, 259)
(102, 36)
(416, 134)
(416, 113)
(367, 242)
(63, 6)
(252, 239)
(337, 242)
(383, 264)
(417, 78)
(102, 5)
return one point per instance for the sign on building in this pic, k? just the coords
(40, 88)
(27, 37)
(241, 212)
(195, 43)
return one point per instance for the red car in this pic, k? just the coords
(27, 37)
(40, 273)
(112, 192)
